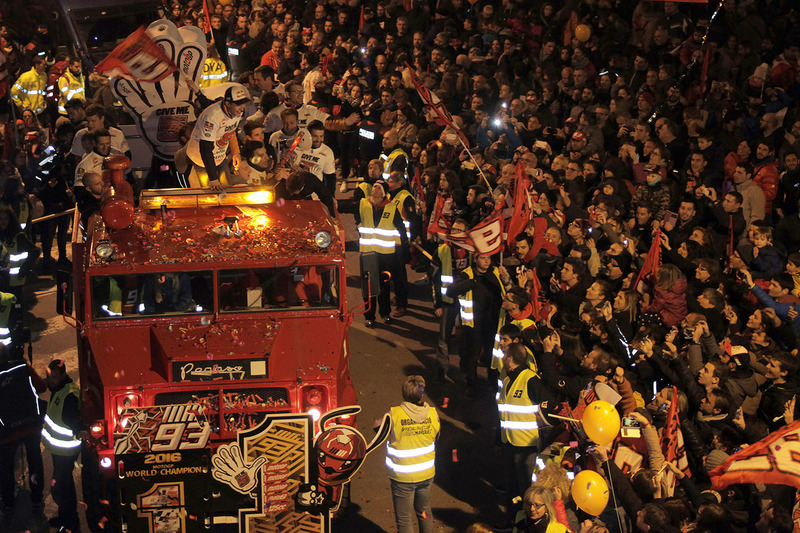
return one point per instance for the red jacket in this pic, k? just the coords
(671, 304)
(767, 177)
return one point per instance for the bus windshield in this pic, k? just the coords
(278, 289)
(160, 294)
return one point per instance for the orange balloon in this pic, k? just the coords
(583, 32)
(590, 492)
(601, 422)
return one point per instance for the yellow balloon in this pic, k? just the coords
(583, 32)
(601, 422)
(590, 492)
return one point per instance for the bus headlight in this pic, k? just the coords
(323, 239)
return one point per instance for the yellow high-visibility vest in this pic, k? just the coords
(410, 456)
(56, 437)
(381, 238)
(70, 86)
(465, 300)
(518, 421)
(388, 160)
(29, 91)
(214, 73)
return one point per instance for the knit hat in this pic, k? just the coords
(715, 458)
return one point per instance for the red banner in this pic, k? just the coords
(139, 58)
(522, 209)
(206, 19)
(774, 460)
(653, 261)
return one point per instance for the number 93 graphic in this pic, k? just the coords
(228, 467)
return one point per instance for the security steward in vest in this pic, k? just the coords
(71, 85)
(21, 414)
(61, 436)
(515, 310)
(22, 255)
(214, 71)
(381, 230)
(448, 262)
(394, 157)
(410, 456)
(523, 401)
(480, 293)
(28, 92)
(405, 204)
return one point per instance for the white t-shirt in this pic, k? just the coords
(118, 143)
(318, 161)
(215, 126)
(91, 162)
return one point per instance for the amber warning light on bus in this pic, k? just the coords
(189, 198)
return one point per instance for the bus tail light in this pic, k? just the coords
(314, 403)
(98, 429)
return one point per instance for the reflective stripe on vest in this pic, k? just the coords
(385, 236)
(465, 300)
(518, 425)
(7, 301)
(446, 260)
(412, 453)
(57, 438)
(389, 161)
(497, 352)
(15, 261)
(398, 201)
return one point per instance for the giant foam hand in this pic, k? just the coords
(161, 109)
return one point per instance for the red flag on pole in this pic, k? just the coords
(522, 209)
(207, 19)
(361, 19)
(672, 441)
(772, 460)
(487, 237)
(139, 58)
(416, 181)
(653, 261)
(443, 116)
(536, 304)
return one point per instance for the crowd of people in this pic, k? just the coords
(651, 147)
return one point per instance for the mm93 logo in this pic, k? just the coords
(161, 429)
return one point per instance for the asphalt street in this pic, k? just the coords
(467, 462)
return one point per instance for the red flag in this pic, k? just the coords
(326, 61)
(704, 70)
(487, 237)
(416, 181)
(672, 441)
(443, 116)
(536, 303)
(139, 58)
(653, 261)
(772, 460)
(361, 19)
(438, 223)
(522, 208)
(207, 20)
